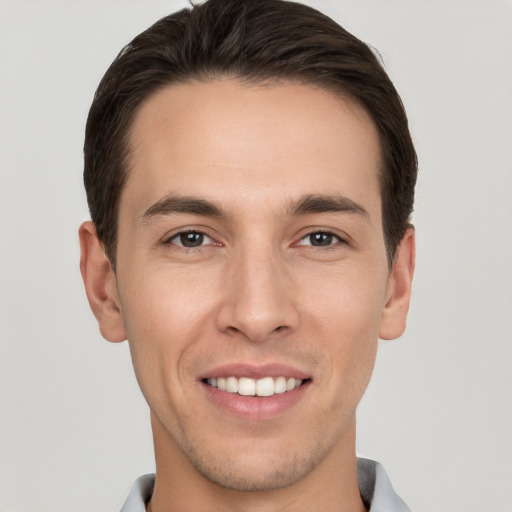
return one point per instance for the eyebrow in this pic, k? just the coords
(308, 204)
(183, 204)
(325, 204)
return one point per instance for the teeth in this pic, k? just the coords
(267, 386)
(232, 385)
(246, 387)
(280, 385)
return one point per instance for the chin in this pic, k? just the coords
(257, 470)
(262, 476)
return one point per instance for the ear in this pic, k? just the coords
(100, 284)
(394, 316)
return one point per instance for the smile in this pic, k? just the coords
(255, 392)
(245, 386)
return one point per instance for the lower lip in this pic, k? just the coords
(255, 408)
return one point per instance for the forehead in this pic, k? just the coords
(251, 144)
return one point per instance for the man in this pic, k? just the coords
(250, 176)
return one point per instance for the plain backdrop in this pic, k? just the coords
(438, 413)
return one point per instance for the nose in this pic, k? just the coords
(258, 299)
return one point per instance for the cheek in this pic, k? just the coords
(162, 305)
(164, 318)
(345, 317)
(348, 302)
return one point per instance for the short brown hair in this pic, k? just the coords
(253, 41)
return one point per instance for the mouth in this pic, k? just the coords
(256, 393)
(263, 387)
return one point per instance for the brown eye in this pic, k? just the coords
(320, 239)
(191, 239)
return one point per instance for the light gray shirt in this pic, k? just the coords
(376, 490)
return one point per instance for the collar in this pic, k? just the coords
(375, 487)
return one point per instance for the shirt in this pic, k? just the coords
(374, 485)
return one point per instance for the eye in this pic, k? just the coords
(190, 239)
(320, 239)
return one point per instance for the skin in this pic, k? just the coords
(256, 290)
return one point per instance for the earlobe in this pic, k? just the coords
(394, 316)
(100, 284)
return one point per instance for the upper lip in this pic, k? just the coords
(255, 371)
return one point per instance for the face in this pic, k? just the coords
(251, 256)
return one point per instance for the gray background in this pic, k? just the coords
(74, 427)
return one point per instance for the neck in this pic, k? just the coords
(331, 486)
